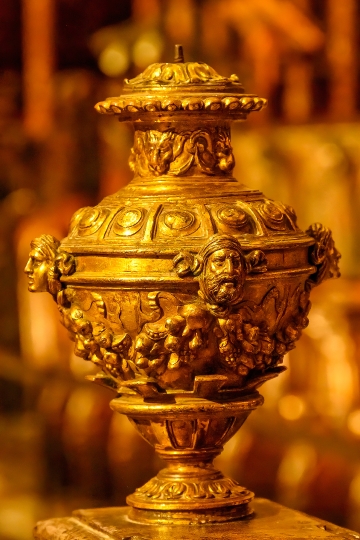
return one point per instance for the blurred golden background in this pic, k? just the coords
(60, 446)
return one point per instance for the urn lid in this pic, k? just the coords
(181, 87)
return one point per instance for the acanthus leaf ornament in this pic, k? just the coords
(185, 288)
(220, 488)
(182, 73)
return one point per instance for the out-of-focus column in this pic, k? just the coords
(298, 75)
(297, 94)
(342, 57)
(38, 21)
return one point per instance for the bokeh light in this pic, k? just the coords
(147, 49)
(114, 60)
(291, 407)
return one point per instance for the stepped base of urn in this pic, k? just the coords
(188, 494)
(188, 433)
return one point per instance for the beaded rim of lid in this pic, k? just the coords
(181, 87)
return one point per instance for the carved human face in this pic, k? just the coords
(224, 276)
(37, 269)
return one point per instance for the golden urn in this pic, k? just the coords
(185, 288)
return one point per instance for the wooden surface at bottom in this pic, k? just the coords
(271, 521)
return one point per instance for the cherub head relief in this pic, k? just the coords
(46, 265)
(222, 267)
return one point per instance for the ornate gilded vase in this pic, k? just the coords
(185, 288)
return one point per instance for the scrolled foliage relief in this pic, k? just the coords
(157, 153)
(95, 341)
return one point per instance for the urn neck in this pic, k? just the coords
(178, 150)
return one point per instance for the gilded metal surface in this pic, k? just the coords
(185, 288)
(176, 153)
(272, 522)
(188, 434)
(187, 88)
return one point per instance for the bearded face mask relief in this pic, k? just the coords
(223, 282)
(185, 288)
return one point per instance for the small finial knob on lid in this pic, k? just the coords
(179, 54)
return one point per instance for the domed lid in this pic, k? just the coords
(164, 76)
(193, 87)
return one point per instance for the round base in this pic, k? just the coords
(190, 517)
(188, 433)
(190, 495)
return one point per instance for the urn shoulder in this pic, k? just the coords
(134, 220)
